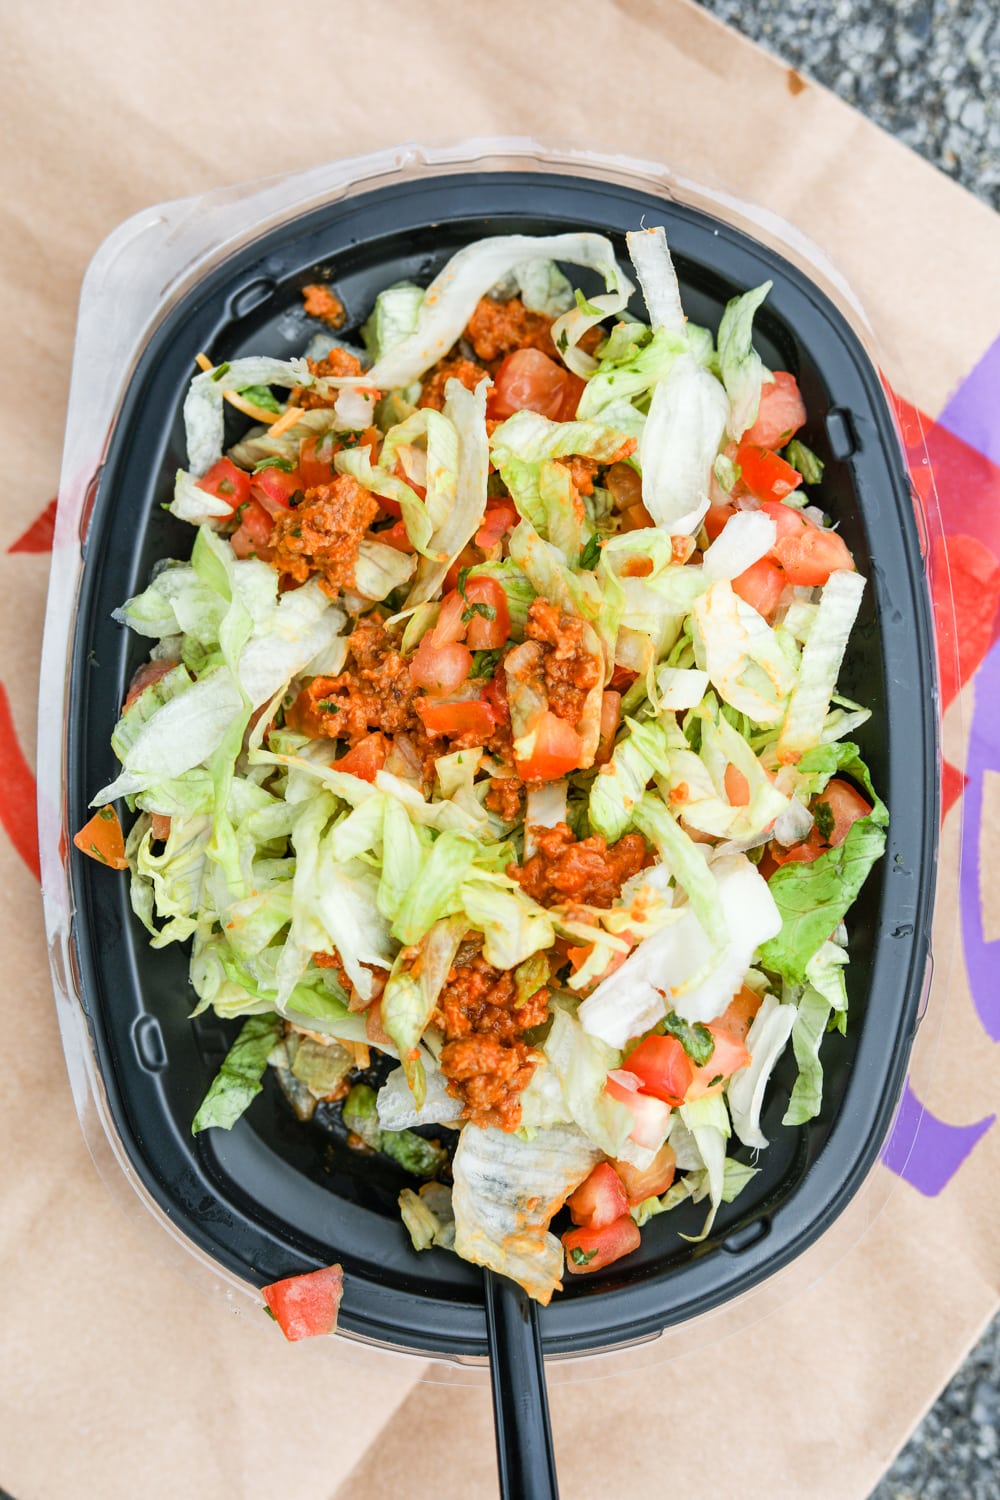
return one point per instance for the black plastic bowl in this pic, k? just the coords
(273, 1197)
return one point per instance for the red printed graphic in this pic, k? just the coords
(17, 791)
(38, 537)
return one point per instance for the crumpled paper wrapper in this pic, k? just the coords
(118, 1375)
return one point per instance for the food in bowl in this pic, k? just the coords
(492, 728)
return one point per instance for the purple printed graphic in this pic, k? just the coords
(926, 1151)
(973, 413)
(982, 958)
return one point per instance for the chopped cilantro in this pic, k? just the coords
(823, 818)
(486, 610)
(274, 462)
(220, 370)
(484, 663)
(586, 307)
(805, 460)
(107, 813)
(581, 1257)
(563, 342)
(697, 1041)
(591, 553)
(260, 396)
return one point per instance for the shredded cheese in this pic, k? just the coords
(288, 419)
(203, 362)
(258, 413)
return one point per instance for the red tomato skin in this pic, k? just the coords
(846, 804)
(440, 669)
(727, 1058)
(761, 586)
(556, 752)
(304, 1306)
(662, 1067)
(449, 627)
(649, 1114)
(467, 558)
(651, 1181)
(807, 554)
(144, 677)
(315, 471)
(764, 473)
(253, 532)
(473, 717)
(273, 489)
(715, 519)
(226, 482)
(483, 633)
(600, 1200)
(781, 413)
(602, 1246)
(574, 389)
(396, 536)
(738, 1016)
(528, 380)
(737, 787)
(495, 694)
(366, 758)
(501, 516)
(611, 713)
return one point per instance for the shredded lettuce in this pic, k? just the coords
(740, 364)
(238, 1081)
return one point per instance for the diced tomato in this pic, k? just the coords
(738, 1016)
(662, 1067)
(611, 713)
(316, 459)
(728, 1055)
(254, 531)
(737, 787)
(592, 1249)
(273, 489)
(489, 626)
(572, 391)
(761, 585)
(715, 519)
(472, 717)
(144, 677)
(495, 694)
(396, 536)
(625, 484)
(440, 669)
(622, 679)
(467, 558)
(846, 806)
(636, 518)
(650, 1115)
(450, 626)
(764, 473)
(648, 1182)
(556, 750)
(102, 839)
(226, 482)
(806, 553)
(366, 758)
(781, 413)
(304, 1306)
(501, 516)
(528, 380)
(600, 1200)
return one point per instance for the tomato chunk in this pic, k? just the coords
(648, 1182)
(226, 482)
(501, 516)
(528, 380)
(555, 749)
(440, 669)
(273, 489)
(781, 413)
(590, 1249)
(728, 1056)
(304, 1306)
(738, 1016)
(764, 473)
(487, 614)
(102, 839)
(144, 677)
(761, 586)
(662, 1067)
(366, 758)
(473, 717)
(650, 1116)
(611, 713)
(254, 531)
(600, 1200)
(316, 459)
(836, 809)
(737, 787)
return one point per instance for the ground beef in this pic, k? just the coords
(464, 370)
(374, 693)
(496, 329)
(569, 670)
(337, 363)
(505, 796)
(583, 871)
(322, 536)
(581, 471)
(321, 302)
(485, 1059)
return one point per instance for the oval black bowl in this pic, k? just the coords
(274, 1197)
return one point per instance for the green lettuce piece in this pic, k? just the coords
(822, 655)
(581, 1063)
(360, 1114)
(683, 857)
(530, 437)
(739, 363)
(543, 286)
(436, 891)
(413, 1153)
(617, 790)
(411, 994)
(513, 926)
(517, 587)
(238, 1081)
(321, 1066)
(809, 465)
(428, 1216)
(812, 1014)
(393, 318)
(632, 362)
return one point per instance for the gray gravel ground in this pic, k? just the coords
(928, 71)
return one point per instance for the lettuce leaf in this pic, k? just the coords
(740, 364)
(238, 1081)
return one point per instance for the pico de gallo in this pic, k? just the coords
(490, 755)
